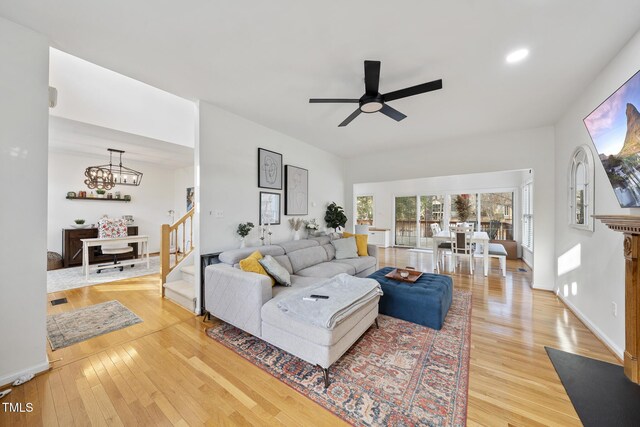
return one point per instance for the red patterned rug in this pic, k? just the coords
(402, 374)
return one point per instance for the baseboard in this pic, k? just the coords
(8, 379)
(617, 351)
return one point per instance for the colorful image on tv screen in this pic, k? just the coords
(615, 131)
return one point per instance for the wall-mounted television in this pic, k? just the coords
(615, 131)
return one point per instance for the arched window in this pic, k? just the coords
(581, 194)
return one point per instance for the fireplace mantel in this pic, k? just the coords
(629, 225)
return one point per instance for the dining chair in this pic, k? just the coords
(442, 248)
(110, 228)
(461, 245)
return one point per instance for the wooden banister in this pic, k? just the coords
(166, 231)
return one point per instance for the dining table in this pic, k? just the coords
(479, 237)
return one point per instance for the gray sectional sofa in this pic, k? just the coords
(249, 302)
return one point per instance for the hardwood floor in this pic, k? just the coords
(166, 371)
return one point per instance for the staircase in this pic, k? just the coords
(176, 267)
(182, 291)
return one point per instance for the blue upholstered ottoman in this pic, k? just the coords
(425, 302)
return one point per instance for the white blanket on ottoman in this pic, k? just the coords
(346, 295)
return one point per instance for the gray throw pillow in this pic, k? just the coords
(345, 248)
(275, 270)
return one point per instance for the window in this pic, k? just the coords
(364, 206)
(527, 215)
(581, 176)
(406, 220)
(496, 215)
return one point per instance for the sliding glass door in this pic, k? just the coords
(406, 227)
(431, 212)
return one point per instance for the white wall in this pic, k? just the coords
(600, 277)
(527, 149)
(23, 213)
(228, 158)
(182, 179)
(92, 94)
(384, 193)
(150, 202)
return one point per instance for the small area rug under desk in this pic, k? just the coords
(425, 302)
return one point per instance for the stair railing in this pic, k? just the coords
(177, 229)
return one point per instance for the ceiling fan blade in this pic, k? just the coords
(332, 101)
(392, 112)
(413, 90)
(350, 118)
(371, 77)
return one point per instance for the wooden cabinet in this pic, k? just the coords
(380, 237)
(72, 246)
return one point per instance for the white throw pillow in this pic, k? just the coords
(345, 248)
(275, 270)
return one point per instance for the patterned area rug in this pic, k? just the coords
(402, 374)
(71, 327)
(71, 278)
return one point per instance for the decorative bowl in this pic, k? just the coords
(404, 274)
(80, 225)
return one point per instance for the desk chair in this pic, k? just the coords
(110, 228)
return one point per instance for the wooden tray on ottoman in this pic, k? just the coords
(395, 275)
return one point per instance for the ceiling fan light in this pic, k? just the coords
(371, 107)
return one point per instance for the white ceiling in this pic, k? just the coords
(69, 136)
(264, 59)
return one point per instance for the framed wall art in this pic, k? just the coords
(269, 169)
(269, 208)
(296, 192)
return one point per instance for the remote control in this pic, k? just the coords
(320, 296)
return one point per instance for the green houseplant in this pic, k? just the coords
(243, 231)
(335, 217)
(101, 193)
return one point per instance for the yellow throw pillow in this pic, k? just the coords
(361, 242)
(252, 265)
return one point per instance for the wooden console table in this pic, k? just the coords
(629, 225)
(72, 246)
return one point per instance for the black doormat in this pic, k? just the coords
(59, 301)
(600, 392)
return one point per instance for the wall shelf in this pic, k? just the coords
(97, 198)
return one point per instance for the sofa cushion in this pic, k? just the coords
(327, 269)
(360, 264)
(322, 240)
(345, 248)
(272, 315)
(331, 251)
(283, 260)
(252, 265)
(296, 245)
(307, 257)
(233, 256)
(361, 242)
(275, 270)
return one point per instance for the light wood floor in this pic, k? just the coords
(166, 371)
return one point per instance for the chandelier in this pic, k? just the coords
(105, 177)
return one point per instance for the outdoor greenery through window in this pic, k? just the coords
(364, 206)
(406, 220)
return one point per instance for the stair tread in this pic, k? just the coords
(189, 269)
(181, 287)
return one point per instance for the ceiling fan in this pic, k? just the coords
(373, 101)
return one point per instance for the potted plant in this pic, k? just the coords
(296, 223)
(312, 227)
(100, 193)
(243, 231)
(79, 221)
(463, 207)
(335, 217)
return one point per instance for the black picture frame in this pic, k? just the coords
(272, 216)
(296, 192)
(269, 169)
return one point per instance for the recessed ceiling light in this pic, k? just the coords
(517, 55)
